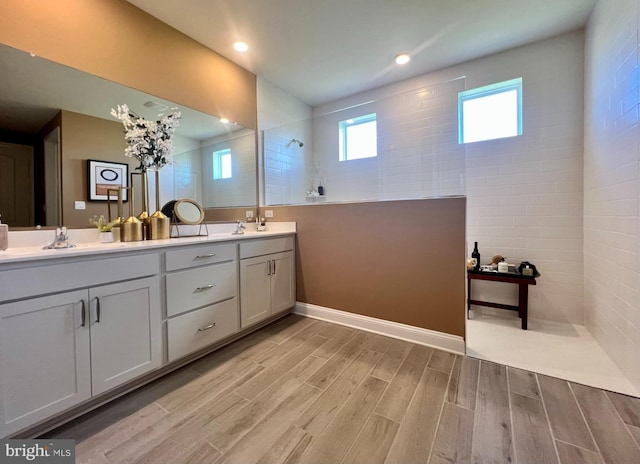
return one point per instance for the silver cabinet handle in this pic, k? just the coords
(83, 314)
(210, 255)
(274, 266)
(97, 309)
(206, 287)
(210, 326)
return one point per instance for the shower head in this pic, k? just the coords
(292, 141)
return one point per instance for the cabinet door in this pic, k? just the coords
(125, 332)
(44, 358)
(255, 289)
(283, 288)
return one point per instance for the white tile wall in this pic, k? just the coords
(286, 169)
(525, 193)
(282, 117)
(240, 190)
(418, 151)
(173, 175)
(611, 182)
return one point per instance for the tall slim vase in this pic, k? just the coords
(159, 223)
(144, 215)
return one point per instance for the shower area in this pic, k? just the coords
(418, 154)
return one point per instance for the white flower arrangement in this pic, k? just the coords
(148, 141)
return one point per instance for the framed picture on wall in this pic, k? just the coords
(105, 175)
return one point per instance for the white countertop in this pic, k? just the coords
(30, 243)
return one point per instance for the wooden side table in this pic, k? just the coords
(523, 283)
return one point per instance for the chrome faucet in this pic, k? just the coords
(61, 240)
(240, 227)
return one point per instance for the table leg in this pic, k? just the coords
(468, 296)
(523, 304)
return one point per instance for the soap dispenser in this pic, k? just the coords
(4, 235)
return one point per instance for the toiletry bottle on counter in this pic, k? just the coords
(476, 254)
(4, 235)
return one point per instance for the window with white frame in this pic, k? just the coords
(222, 164)
(490, 112)
(358, 137)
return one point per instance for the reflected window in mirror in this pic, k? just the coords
(222, 164)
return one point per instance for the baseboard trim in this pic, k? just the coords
(439, 340)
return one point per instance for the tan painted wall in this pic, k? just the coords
(115, 40)
(82, 138)
(228, 214)
(401, 261)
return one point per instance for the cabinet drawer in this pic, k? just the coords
(190, 332)
(261, 247)
(199, 256)
(202, 286)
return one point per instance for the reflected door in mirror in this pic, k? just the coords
(16, 184)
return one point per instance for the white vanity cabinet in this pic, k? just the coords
(44, 358)
(59, 350)
(80, 326)
(201, 296)
(267, 278)
(126, 332)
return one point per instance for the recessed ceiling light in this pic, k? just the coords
(241, 47)
(403, 58)
(224, 120)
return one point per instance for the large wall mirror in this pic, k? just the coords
(53, 118)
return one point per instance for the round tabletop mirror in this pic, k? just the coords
(188, 211)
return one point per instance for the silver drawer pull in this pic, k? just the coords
(210, 255)
(206, 287)
(210, 326)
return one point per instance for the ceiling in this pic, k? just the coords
(322, 50)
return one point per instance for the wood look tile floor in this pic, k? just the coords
(306, 391)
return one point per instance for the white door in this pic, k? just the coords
(283, 289)
(255, 289)
(125, 332)
(44, 358)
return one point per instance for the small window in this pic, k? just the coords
(222, 164)
(490, 112)
(358, 138)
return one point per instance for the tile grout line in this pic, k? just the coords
(383, 416)
(575, 398)
(444, 398)
(214, 447)
(350, 447)
(513, 437)
(578, 446)
(475, 409)
(345, 402)
(160, 406)
(621, 419)
(546, 415)
(440, 370)
(410, 401)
